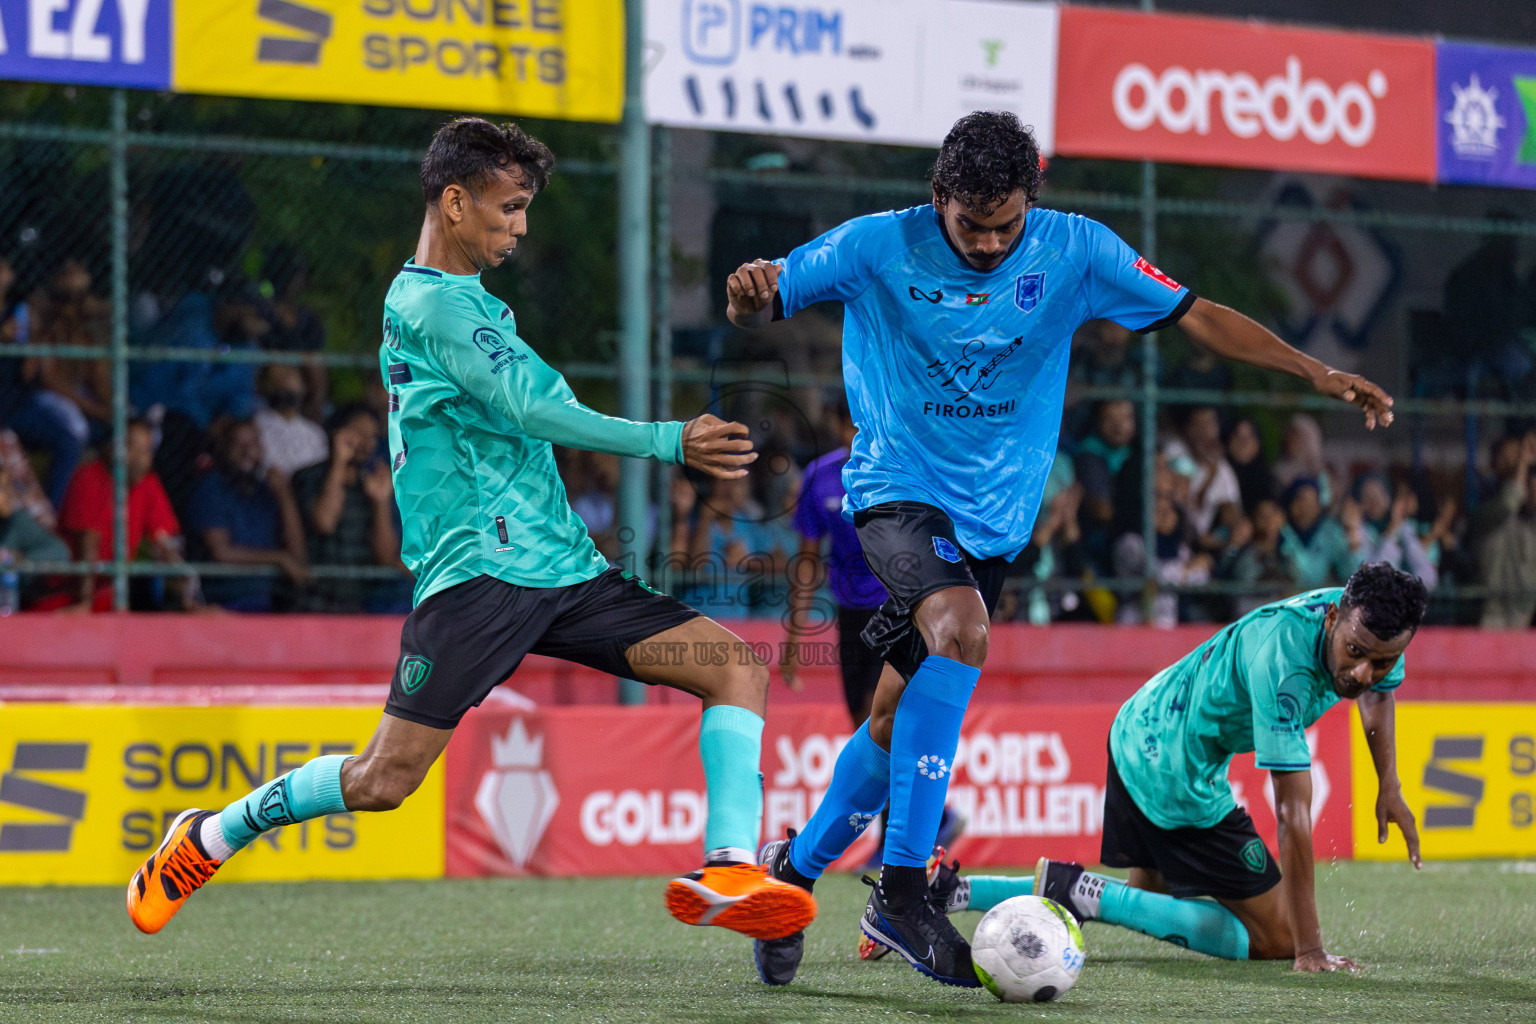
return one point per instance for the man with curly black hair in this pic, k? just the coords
(1169, 812)
(959, 318)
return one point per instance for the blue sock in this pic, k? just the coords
(923, 743)
(730, 743)
(861, 783)
(1204, 926)
(987, 891)
(311, 790)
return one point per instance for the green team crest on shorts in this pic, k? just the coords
(414, 671)
(1254, 856)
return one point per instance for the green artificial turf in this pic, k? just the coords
(1455, 942)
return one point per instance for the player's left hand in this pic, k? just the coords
(1318, 962)
(1356, 390)
(718, 448)
(1390, 806)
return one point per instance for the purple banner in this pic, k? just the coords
(87, 42)
(1486, 113)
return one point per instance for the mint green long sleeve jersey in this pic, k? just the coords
(473, 412)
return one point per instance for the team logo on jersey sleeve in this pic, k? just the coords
(1027, 289)
(496, 349)
(1161, 278)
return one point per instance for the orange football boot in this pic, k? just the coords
(743, 898)
(176, 870)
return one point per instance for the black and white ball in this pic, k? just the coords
(1027, 950)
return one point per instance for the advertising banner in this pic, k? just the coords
(87, 42)
(1191, 90)
(894, 71)
(88, 790)
(1486, 116)
(608, 791)
(543, 58)
(1469, 776)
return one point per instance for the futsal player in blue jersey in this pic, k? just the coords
(958, 320)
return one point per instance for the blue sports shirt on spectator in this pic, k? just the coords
(956, 376)
(252, 517)
(818, 514)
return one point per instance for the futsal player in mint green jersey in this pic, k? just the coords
(957, 324)
(503, 566)
(1169, 812)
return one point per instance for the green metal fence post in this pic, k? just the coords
(661, 162)
(118, 160)
(1149, 395)
(1148, 390)
(635, 306)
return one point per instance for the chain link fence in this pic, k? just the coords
(176, 265)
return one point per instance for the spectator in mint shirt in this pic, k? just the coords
(1104, 465)
(236, 517)
(1319, 549)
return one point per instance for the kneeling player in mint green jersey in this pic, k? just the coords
(503, 566)
(1169, 812)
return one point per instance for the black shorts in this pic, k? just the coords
(859, 664)
(1227, 860)
(461, 643)
(911, 548)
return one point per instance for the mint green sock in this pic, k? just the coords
(987, 891)
(311, 790)
(730, 744)
(1204, 926)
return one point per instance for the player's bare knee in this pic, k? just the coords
(882, 722)
(743, 683)
(1270, 946)
(967, 642)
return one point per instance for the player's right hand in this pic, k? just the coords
(750, 291)
(718, 448)
(1319, 962)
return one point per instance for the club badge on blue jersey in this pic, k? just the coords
(1026, 291)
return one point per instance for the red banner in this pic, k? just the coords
(619, 791)
(1194, 90)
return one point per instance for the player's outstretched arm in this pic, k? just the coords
(1378, 720)
(716, 447)
(749, 293)
(1229, 333)
(1293, 812)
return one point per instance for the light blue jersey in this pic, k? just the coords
(956, 376)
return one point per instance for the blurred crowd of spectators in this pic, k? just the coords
(237, 464)
(251, 464)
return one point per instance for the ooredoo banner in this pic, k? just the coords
(606, 791)
(87, 791)
(1242, 94)
(899, 71)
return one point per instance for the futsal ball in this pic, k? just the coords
(1027, 950)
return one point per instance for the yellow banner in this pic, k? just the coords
(87, 791)
(1469, 775)
(540, 58)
